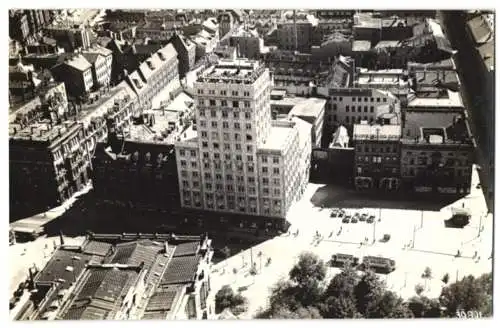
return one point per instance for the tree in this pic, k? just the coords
(339, 298)
(427, 275)
(285, 313)
(368, 292)
(469, 294)
(307, 275)
(309, 270)
(446, 278)
(419, 289)
(226, 298)
(424, 307)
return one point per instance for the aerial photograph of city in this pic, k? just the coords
(235, 164)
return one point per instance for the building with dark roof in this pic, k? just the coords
(124, 277)
(186, 53)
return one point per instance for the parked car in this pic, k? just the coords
(354, 220)
(371, 219)
(363, 217)
(386, 238)
(334, 213)
(341, 213)
(345, 220)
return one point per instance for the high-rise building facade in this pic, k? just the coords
(240, 161)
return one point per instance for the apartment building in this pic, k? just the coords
(64, 139)
(46, 163)
(296, 32)
(124, 277)
(154, 74)
(437, 151)
(186, 53)
(101, 60)
(237, 160)
(76, 73)
(311, 110)
(377, 156)
(350, 106)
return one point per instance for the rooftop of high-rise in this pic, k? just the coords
(233, 71)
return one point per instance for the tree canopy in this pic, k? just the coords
(468, 294)
(226, 298)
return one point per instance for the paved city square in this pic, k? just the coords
(435, 246)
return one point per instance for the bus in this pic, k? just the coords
(379, 264)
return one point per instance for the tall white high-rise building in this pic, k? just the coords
(237, 159)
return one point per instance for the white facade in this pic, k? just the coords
(349, 106)
(237, 152)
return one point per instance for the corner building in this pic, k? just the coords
(240, 162)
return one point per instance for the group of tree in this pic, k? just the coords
(226, 298)
(351, 294)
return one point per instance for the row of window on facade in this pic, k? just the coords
(234, 93)
(196, 195)
(225, 114)
(230, 188)
(361, 99)
(377, 149)
(376, 159)
(225, 125)
(223, 103)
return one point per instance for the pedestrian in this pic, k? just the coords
(331, 234)
(475, 254)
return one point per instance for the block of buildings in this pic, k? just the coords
(76, 73)
(311, 110)
(124, 277)
(247, 42)
(51, 142)
(239, 160)
(137, 167)
(101, 60)
(377, 156)
(186, 53)
(350, 106)
(437, 151)
(295, 31)
(154, 74)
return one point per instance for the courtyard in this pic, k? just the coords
(419, 239)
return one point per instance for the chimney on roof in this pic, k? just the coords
(61, 237)
(31, 284)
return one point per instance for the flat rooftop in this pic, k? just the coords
(182, 103)
(361, 45)
(435, 98)
(376, 132)
(277, 139)
(309, 107)
(436, 77)
(452, 127)
(233, 71)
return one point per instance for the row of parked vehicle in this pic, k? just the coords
(375, 263)
(355, 218)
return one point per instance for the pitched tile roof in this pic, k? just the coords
(185, 249)
(180, 270)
